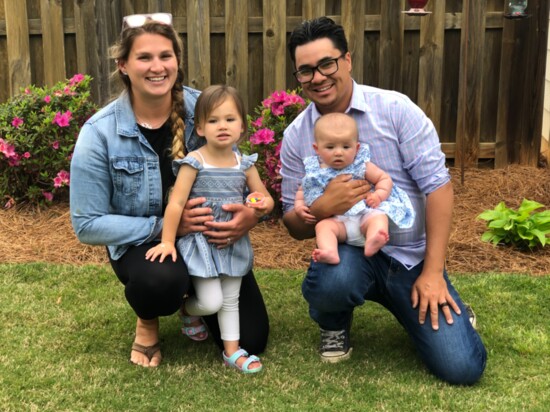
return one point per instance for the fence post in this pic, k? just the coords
(19, 56)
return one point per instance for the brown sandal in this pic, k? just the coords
(148, 351)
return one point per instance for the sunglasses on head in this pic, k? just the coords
(138, 20)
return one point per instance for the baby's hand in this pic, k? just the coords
(305, 215)
(373, 200)
(163, 250)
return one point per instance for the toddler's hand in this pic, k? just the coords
(255, 200)
(163, 250)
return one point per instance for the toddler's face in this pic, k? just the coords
(336, 148)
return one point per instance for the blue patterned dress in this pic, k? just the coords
(397, 206)
(219, 186)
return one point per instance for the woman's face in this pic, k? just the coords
(152, 67)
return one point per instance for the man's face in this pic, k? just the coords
(331, 93)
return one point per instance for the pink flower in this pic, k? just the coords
(62, 179)
(258, 122)
(77, 78)
(67, 90)
(263, 136)
(292, 99)
(9, 204)
(26, 155)
(14, 160)
(48, 196)
(16, 122)
(47, 99)
(55, 145)
(27, 91)
(62, 120)
(7, 149)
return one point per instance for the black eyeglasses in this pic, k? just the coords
(138, 20)
(326, 68)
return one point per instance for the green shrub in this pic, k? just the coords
(265, 130)
(38, 131)
(522, 228)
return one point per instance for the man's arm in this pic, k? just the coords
(430, 288)
(340, 195)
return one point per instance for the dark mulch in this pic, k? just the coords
(29, 235)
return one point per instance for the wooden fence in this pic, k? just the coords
(478, 76)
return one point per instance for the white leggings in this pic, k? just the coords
(217, 295)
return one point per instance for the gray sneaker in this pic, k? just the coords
(471, 315)
(335, 345)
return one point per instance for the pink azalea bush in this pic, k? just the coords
(38, 131)
(265, 130)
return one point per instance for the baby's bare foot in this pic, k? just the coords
(375, 242)
(325, 256)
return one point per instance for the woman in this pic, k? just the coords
(120, 179)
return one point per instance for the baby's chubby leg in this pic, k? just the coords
(329, 232)
(375, 228)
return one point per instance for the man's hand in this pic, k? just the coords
(194, 218)
(224, 234)
(429, 293)
(340, 195)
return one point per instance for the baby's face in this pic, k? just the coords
(336, 150)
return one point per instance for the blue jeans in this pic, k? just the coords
(454, 353)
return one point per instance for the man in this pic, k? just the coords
(408, 275)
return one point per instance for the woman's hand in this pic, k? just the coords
(194, 218)
(224, 234)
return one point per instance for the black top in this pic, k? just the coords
(161, 141)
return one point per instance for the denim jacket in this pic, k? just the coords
(116, 191)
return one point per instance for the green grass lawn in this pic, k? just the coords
(66, 335)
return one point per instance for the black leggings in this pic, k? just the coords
(156, 289)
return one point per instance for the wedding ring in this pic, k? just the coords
(442, 305)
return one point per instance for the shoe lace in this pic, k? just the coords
(333, 339)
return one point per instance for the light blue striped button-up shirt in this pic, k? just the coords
(403, 142)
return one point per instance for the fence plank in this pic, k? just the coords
(236, 46)
(53, 45)
(470, 79)
(274, 38)
(198, 37)
(391, 45)
(86, 43)
(430, 73)
(537, 43)
(313, 8)
(505, 117)
(353, 21)
(19, 58)
(157, 6)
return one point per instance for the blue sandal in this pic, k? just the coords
(196, 333)
(232, 361)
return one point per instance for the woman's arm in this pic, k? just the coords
(92, 190)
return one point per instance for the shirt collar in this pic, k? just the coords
(357, 103)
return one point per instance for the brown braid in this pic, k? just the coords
(176, 118)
